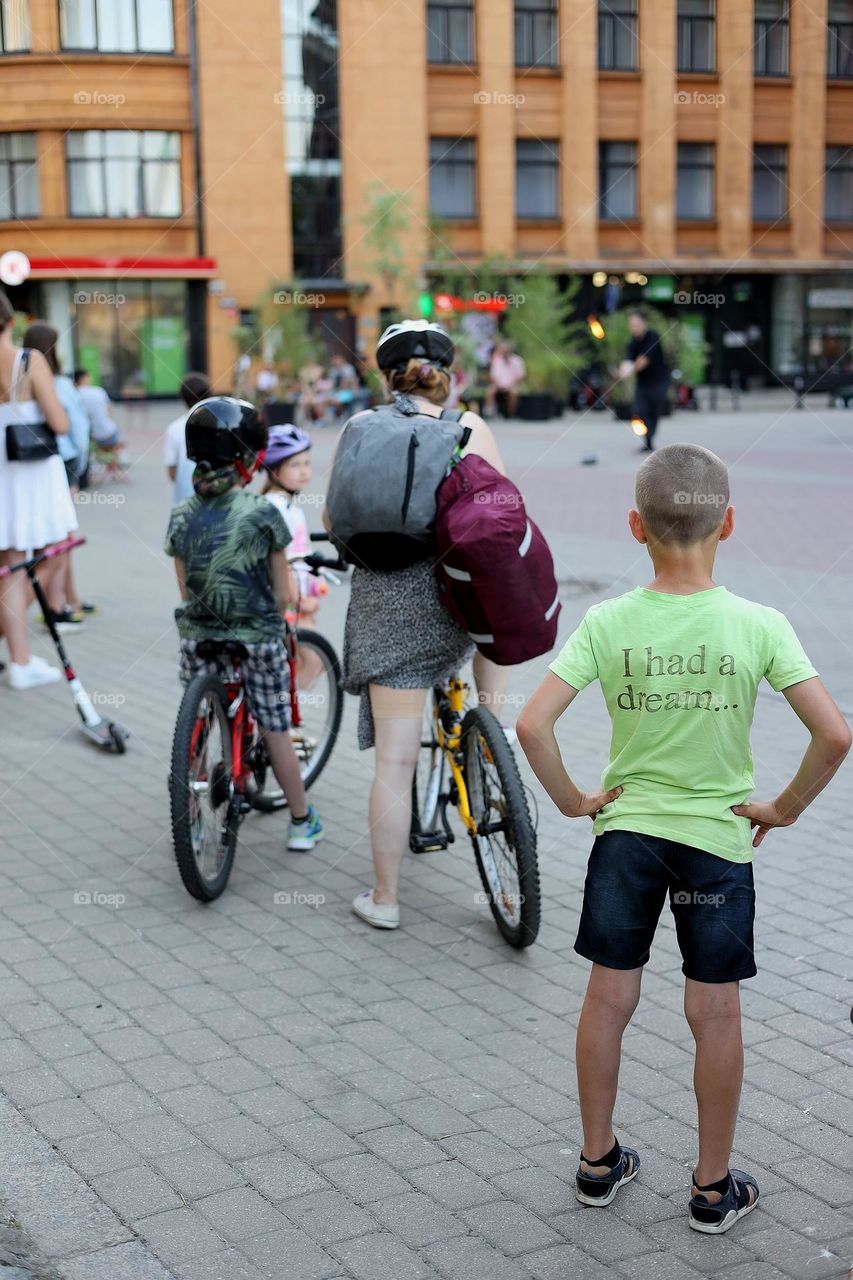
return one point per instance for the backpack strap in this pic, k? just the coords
(455, 415)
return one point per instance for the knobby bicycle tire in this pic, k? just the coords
(205, 684)
(480, 724)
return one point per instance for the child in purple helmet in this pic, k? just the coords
(287, 463)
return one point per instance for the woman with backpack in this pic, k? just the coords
(399, 641)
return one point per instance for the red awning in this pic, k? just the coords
(122, 268)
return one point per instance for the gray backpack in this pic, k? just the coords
(382, 491)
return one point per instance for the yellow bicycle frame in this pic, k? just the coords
(450, 743)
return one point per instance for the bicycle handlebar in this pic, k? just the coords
(58, 549)
(316, 562)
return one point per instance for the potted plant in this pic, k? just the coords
(551, 341)
(287, 335)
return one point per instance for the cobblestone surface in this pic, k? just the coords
(252, 1090)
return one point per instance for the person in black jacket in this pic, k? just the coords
(644, 358)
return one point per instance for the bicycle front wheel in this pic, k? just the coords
(505, 840)
(205, 817)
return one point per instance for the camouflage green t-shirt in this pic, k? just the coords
(225, 544)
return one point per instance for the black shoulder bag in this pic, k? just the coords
(27, 441)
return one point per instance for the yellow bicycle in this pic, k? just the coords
(466, 761)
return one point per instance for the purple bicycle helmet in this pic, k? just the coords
(285, 442)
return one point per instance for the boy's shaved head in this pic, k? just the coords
(682, 492)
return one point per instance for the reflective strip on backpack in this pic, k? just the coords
(553, 609)
(481, 639)
(461, 574)
(526, 541)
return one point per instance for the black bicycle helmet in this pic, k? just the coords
(222, 430)
(402, 342)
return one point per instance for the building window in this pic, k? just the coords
(617, 180)
(14, 26)
(312, 133)
(769, 183)
(117, 173)
(771, 37)
(117, 26)
(453, 177)
(450, 31)
(537, 33)
(19, 180)
(695, 180)
(617, 35)
(537, 181)
(838, 185)
(696, 35)
(839, 45)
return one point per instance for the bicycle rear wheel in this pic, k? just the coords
(505, 842)
(205, 818)
(321, 706)
(427, 783)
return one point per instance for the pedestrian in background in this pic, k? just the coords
(645, 360)
(35, 502)
(195, 387)
(104, 430)
(507, 371)
(68, 609)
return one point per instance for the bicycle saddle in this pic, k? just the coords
(210, 650)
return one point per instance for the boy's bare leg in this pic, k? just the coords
(611, 998)
(285, 766)
(713, 1012)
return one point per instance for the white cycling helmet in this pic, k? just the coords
(402, 342)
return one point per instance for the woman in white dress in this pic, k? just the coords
(35, 502)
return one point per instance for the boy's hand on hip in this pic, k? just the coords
(588, 803)
(763, 815)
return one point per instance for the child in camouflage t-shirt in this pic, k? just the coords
(235, 582)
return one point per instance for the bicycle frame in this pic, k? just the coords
(450, 741)
(242, 725)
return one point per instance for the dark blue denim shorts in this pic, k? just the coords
(712, 900)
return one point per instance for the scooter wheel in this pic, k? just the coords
(119, 741)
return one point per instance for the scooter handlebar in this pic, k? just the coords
(58, 549)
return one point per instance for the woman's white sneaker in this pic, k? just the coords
(382, 915)
(31, 674)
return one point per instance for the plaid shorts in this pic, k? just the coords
(266, 678)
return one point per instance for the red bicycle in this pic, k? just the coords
(220, 769)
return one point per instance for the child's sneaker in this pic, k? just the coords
(302, 836)
(66, 621)
(738, 1195)
(600, 1188)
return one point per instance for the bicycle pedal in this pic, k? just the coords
(428, 842)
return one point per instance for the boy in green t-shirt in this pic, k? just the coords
(679, 663)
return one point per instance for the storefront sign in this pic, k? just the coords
(660, 288)
(14, 267)
(830, 299)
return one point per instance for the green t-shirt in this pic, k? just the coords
(680, 675)
(225, 544)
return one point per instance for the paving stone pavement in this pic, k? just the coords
(252, 1089)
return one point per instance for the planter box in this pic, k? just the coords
(279, 412)
(537, 406)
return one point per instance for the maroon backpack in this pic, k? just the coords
(494, 569)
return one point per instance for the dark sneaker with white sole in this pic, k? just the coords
(622, 1165)
(734, 1196)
